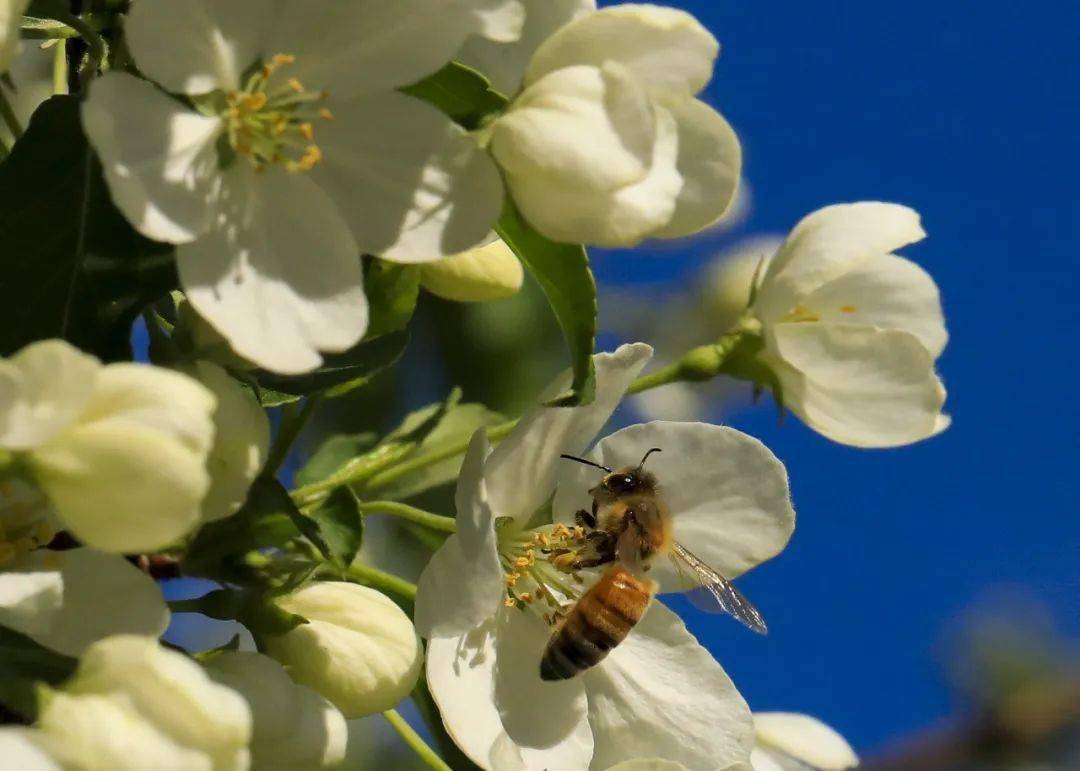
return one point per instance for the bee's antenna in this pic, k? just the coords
(647, 454)
(586, 462)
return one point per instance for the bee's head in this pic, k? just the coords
(617, 483)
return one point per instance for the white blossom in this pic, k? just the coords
(292, 726)
(851, 330)
(10, 19)
(358, 649)
(607, 143)
(69, 599)
(118, 450)
(489, 272)
(787, 741)
(300, 156)
(658, 693)
(134, 705)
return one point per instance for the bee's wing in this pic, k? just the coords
(713, 593)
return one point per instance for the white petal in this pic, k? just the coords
(159, 156)
(660, 694)
(710, 162)
(648, 764)
(462, 585)
(462, 673)
(413, 185)
(169, 690)
(545, 720)
(829, 242)
(804, 738)
(859, 385)
(489, 272)
(279, 274)
(292, 726)
(889, 292)
(504, 63)
(371, 46)
(499, 20)
(667, 50)
(727, 493)
(241, 441)
(601, 172)
(520, 473)
(30, 598)
(21, 750)
(588, 127)
(100, 595)
(197, 46)
(107, 733)
(43, 389)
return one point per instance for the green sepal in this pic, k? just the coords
(24, 665)
(461, 93)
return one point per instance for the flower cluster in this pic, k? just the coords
(256, 193)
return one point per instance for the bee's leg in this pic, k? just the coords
(584, 519)
(601, 550)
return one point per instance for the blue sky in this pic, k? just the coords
(968, 112)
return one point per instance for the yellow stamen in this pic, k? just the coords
(848, 309)
(282, 59)
(295, 85)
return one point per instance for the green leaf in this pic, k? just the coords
(334, 453)
(457, 424)
(460, 92)
(392, 291)
(340, 372)
(70, 264)
(23, 663)
(563, 272)
(340, 526)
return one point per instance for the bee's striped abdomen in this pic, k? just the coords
(600, 620)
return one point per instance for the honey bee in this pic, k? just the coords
(628, 527)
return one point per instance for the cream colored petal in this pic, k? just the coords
(412, 185)
(100, 595)
(666, 49)
(241, 440)
(30, 597)
(498, 20)
(489, 272)
(279, 275)
(22, 750)
(172, 692)
(727, 493)
(804, 739)
(159, 156)
(710, 164)
(358, 649)
(197, 46)
(660, 694)
(826, 244)
(520, 473)
(859, 385)
(504, 63)
(43, 389)
(574, 203)
(889, 292)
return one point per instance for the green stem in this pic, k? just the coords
(94, 41)
(415, 741)
(655, 379)
(411, 514)
(60, 69)
(293, 421)
(379, 579)
(8, 114)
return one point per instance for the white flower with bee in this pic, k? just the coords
(494, 593)
(290, 154)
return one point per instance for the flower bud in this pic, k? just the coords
(489, 272)
(119, 450)
(133, 704)
(241, 440)
(781, 737)
(292, 726)
(358, 649)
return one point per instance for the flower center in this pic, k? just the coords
(539, 569)
(24, 519)
(271, 120)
